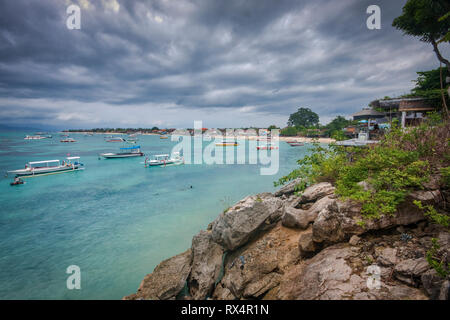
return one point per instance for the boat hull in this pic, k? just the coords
(38, 171)
(118, 155)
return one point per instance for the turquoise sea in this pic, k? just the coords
(116, 219)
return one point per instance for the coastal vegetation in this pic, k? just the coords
(305, 122)
(380, 176)
(429, 20)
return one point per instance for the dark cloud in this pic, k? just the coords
(229, 63)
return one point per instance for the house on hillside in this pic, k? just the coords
(410, 111)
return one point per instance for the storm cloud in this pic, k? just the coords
(170, 62)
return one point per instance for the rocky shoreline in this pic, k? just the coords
(285, 246)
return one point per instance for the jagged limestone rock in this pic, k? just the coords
(237, 225)
(298, 218)
(166, 281)
(206, 265)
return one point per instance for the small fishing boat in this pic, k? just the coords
(296, 144)
(48, 167)
(124, 153)
(116, 140)
(68, 140)
(38, 137)
(17, 181)
(268, 146)
(163, 137)
(226, 143)
(164, 160)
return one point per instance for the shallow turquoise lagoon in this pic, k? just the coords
(116, 219)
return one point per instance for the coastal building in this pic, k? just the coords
(368, 114)
(409, 111)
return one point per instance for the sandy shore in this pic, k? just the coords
(296, 139)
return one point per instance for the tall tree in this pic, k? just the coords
(304, 117)
(426, 19)
(337, 124)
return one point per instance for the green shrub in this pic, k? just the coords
(399, 164)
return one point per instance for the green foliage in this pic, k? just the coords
(399, 164)
(436, 260)
(445, 172)
(338, 135)
(433, 215)
(336, 125)
(421, 18)
(429, 80)
(428, 86)
(272, 127)
(303, 117)
(289, 131)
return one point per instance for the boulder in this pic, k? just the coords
(316, 191)
(298, 218)
(445, 291)
(306, 244)
(432, 283)
(410, 270)
(339, 221)
(288, 189)
(246, 219)
(354, 240)
(166, 281)
(256, 268)
(339, 272)
(206, 265)
(387, 257)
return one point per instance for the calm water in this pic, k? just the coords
(116, 219)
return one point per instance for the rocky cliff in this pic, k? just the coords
(284, 246)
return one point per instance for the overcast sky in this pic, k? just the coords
(228, 63)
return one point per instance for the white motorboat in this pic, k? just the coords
(124, 153)
(35, 137)
(164, 160)
(48, 167)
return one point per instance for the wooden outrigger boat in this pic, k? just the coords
(116, 140)
(48, 167)
(269, 146)
(164, 160)
(125, 153)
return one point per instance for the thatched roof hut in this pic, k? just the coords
(367, 113)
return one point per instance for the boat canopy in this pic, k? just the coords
(161, 155)
(129, 148)
(39, 162)
(72, 158)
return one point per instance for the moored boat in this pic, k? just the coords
(116, 140)
(269, 146)
(226, 143)
(37, 137)
(164, 160)
(48, 166)
(124, 153)
(296, 144)
(68, 140)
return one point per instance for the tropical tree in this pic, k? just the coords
(428, 20)
(337, 124)
(303, 117)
